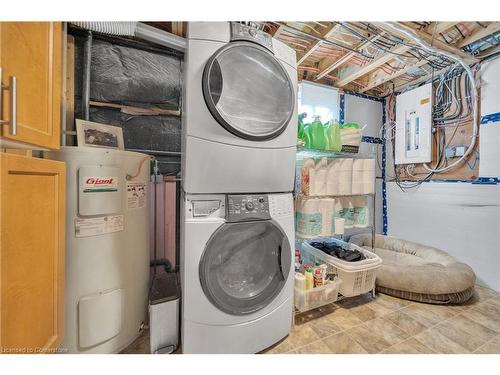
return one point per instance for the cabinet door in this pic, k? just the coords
(32, 52)
(32, 217)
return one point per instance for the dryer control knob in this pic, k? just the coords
(249, 206)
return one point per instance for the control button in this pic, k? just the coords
(261, 200)
(249, 206)
(252, 32)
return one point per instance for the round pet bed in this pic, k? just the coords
(417, 272)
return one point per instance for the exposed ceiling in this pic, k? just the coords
(371, 58)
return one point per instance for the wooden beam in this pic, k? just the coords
(389, 77)
(480, 34)
(436, 74)
(177, 28)
(137, 110)
(341, 61)
(428, 39)
(278, 31)
(325, 34)
(381, 60)
(440, 27)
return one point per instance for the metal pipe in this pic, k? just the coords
(154, 35)
(87, 57)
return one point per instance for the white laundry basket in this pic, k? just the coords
(357, 277)
(309, 299)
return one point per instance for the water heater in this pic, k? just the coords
(107, 248)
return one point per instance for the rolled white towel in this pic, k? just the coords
(358, 176)
(320, 177)
(345, 176)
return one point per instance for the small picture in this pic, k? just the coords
(94, 134)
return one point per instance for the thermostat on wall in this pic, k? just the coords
(414, 126)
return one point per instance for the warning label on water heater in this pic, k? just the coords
(136, 195)
(98, 225)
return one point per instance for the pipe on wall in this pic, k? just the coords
(87, 57)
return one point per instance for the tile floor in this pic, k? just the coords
(389, 325)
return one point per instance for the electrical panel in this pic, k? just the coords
(414, 126)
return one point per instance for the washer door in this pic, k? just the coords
(245, 265)
(248, 91)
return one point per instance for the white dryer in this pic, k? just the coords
(240, 112)
(236, 272)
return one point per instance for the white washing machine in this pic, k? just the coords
(240, 112)
(236, 272)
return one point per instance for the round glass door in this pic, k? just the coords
(248, 91)
(244, 266)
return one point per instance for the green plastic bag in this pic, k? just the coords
(349, 125)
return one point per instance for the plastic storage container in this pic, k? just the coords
(309, 299)
(357, 277)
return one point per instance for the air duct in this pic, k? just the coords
(135, 29)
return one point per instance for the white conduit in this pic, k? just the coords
(474, 93)
(110, 28)
(136, 29)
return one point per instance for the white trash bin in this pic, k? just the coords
(164, 297)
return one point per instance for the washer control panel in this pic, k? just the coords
(243, 32)
(246, 207)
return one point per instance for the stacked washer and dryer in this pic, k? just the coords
(237, 230)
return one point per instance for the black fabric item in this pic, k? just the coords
(131, 76)
(339, 251)
(159, 133)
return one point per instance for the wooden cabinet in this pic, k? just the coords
(32, 53)
(32, 243)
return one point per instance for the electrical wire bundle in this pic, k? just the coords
(449, 99)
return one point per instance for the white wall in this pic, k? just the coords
(364, 112)
(318, 100)
(460, 218)
(489, 134)
(368, 112)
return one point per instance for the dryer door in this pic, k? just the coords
(245, 265)
(248, 91)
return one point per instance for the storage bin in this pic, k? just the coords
(357, 277)
(316, 297)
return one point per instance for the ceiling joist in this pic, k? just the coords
(366, 65)
(380, 80)
(341, 61)
(480, 34)
(429, 40)
(278, 31)
(371, 66)
(439, 27)
(329, 30)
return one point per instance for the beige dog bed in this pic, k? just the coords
(417, 272)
